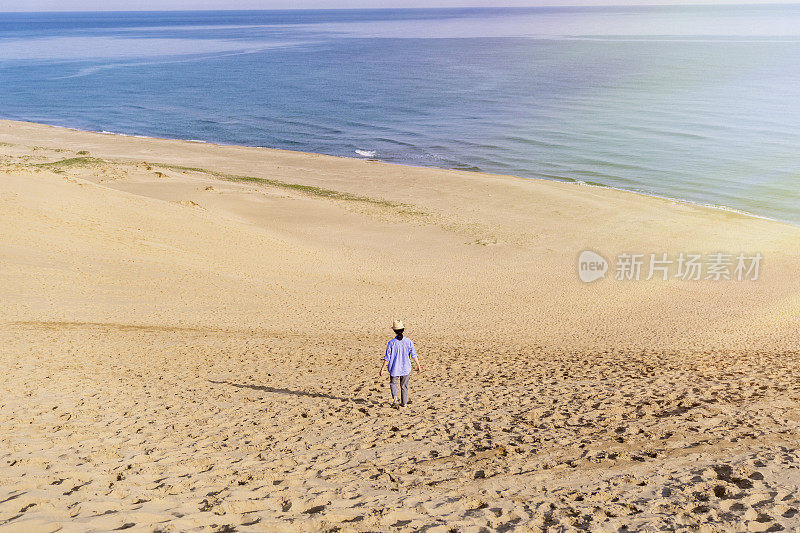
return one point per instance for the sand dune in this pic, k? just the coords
(191, 336)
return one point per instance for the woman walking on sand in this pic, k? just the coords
(399, 353)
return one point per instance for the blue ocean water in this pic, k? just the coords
(698, 103)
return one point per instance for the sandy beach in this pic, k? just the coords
(190, 338)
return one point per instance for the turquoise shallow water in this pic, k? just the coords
(697, 103)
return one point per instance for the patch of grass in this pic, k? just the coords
(72, 162)
(412, 212)
(37, 148)
(83, 152)
(306, 189)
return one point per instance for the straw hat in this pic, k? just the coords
(398, 324)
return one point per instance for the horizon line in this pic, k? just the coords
(544, 6)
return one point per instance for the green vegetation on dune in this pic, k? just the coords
(321, 192)
(72, 162)
(307, 189)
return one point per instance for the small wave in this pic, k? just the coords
(468, 168)
(394, 141)
(196, 141)
(366, 153)
(106, 132)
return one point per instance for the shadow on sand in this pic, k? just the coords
(291, 392)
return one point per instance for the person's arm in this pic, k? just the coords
(415, 357)
(385, 361)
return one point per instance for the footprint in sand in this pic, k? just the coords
(286, 504)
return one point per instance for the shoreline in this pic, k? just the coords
(697, 203)
(378, 160)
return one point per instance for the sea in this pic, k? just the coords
(699, 103)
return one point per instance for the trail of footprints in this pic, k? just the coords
(197, 433)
